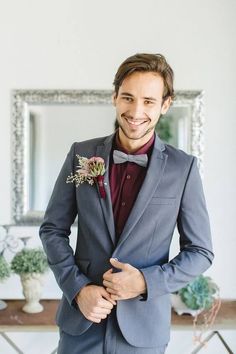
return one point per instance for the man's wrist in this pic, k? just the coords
(143, 286)
(77, 295)
(143, 294)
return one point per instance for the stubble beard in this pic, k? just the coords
(152, 128)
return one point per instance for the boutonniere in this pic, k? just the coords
(89, 170)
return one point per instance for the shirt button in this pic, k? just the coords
(128, 176)
(123, 203)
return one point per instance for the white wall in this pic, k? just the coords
(75, 44)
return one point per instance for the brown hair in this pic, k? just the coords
(144, 62)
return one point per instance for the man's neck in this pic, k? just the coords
(132, 145)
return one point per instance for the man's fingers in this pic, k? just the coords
(108, 284)
(116, 297)
(108, 275)
(93, 319)
(107, 296)
(98, 311)
(119, 265)
(110, 300)
(111, 291)
(108, 272)
(95, 303)
(105, 304)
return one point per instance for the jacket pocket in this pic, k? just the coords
(161, 200)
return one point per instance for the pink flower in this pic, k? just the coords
(96, 159)
(89, 170)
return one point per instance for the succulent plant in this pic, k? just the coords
(199, 294)
(29, 260)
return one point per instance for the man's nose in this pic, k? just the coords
(137, 110)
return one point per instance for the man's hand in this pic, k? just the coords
(126, 284)
(94, 302)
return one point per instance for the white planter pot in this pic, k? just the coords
(32, 291)
(180, 307)
(3, 305)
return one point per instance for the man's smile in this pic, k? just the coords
(135, 122)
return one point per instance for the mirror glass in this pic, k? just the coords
(52, 130)
(46, 123)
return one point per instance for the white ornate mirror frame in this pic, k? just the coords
(22, 102)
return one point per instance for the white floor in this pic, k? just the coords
(30, 343)
(181, 343)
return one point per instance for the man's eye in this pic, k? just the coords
(148, 102)
(128, 99)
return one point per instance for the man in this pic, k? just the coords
(117, 285)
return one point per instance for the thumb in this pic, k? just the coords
(119, 265)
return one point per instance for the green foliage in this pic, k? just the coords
(29, 260)
(199, 294)
(5, 270)
(163, 129)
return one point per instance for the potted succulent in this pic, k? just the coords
(200, 297)
(197, 296)
(31, 264)
(5, 273)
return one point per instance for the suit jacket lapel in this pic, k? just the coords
(106, 204)
(154, 173)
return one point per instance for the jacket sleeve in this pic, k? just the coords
(195, 254)
(55, 230)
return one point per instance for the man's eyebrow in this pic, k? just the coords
(126, 94)
(150, 98)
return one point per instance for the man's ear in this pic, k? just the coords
(114, 99)
(166, 105)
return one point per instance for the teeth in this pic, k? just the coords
(135, 123)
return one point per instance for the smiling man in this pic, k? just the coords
(139, 104)
(116, 286)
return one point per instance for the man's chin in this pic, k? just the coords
(135, 135)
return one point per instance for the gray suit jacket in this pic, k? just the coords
(171, 194)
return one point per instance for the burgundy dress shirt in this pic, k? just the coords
(125, 182)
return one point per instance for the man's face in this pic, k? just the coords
(139, 105)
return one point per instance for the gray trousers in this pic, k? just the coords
(102, 338)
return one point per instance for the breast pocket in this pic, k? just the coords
(163, 200)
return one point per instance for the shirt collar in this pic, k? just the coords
(145, 149)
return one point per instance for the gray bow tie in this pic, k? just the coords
(121, 157)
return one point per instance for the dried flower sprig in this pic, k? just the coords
(89, 170)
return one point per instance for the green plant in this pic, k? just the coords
(200, 293)
(163, 129)
(5, 270)
(29, 260)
